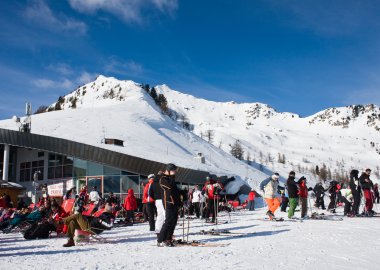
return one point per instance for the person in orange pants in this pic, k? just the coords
(271, 194)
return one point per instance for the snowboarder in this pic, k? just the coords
(270, 189)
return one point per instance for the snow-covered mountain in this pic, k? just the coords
(123, 110)
(341, 138)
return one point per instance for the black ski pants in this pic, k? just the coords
(171, 218)
(150, 209)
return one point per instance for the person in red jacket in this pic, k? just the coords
(302, 193)
(251, 200)
(149, 201)
(130, 205)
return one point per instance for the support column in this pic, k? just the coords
(6, 162)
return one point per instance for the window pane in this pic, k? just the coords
(27, 175)
(27, 164)
(128, 182)
(94, 169)
(22, 175)
(34, 164)
(40, 163)
(128, 173)
(110, 171)
(51, 173)
(52, 161)
(68, 160)
(80, 168)
(58, 172)
(68, 171)
(111, 183)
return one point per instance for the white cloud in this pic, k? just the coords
(38, 12)
(123, 68)
(65, 83)
(61, 68)
(128, 10)
(86, 77)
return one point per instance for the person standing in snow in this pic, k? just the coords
(270, 189)
(319, 196)
(251, 200)
(355, 190)
(293, 193)
(284, 199)
(170, 195)
(303, 193)
(333, 189)
(211, 191)
(149, 201)
(130, 205)
(155, 194)
(196, 200)
(367, 185)
(376, 191)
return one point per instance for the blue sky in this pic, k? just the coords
(297, 56)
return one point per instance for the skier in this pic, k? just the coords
(172, 201)
(319, 195)
(303, 193)
(149, 202)
(270, 189)
(367, 185)
(355, 190)
(211, 189)
(333, 189)
(293, 193)
(155, 194)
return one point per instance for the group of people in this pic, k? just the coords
(295, 193)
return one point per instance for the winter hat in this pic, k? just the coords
(368, 170)
(171, 167)
(275, 176)
(302, 178)
(150, 176)
(292, 173)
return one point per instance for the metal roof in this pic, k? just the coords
(96, 154)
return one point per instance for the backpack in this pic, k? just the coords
(38, 230)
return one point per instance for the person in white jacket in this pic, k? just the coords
(197, 196)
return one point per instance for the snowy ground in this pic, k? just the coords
(312, 244)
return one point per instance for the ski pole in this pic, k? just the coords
(188, 228)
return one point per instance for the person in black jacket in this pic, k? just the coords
(292, 193)
(171, 200)
(319, 195)
(333, 189)
(367, 185)
(355, 190)
(155, 193)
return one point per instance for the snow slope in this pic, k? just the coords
(313, 244)
(342, 138)
(123, 110)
